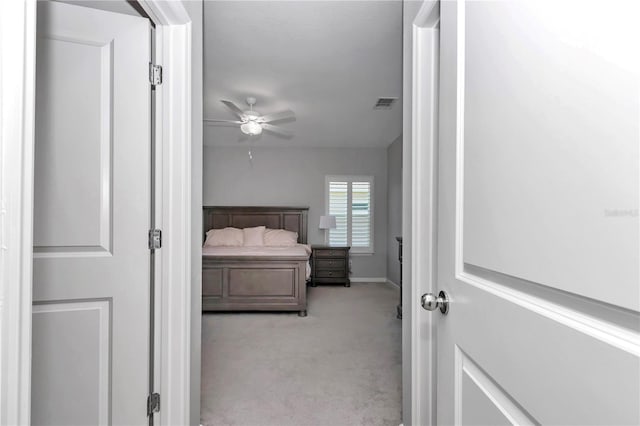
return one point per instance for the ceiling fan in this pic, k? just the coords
(252, 123)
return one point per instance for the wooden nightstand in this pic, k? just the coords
(330, 265)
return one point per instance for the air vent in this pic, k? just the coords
(385, 103)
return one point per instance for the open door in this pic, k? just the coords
(537, 214)
(90, 357)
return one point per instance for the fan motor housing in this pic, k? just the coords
(252, 115)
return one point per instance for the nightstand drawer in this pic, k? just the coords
(329, 253)
(331, 263)
(331, 273)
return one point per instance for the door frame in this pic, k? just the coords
(17, 111)
(422, 208)
(172, 199)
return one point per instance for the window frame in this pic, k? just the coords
(350, 179)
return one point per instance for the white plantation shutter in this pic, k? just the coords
(361, 214)
(350, 200)
(338, 207)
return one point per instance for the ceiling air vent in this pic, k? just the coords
(385, 103)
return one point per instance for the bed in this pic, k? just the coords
(257, 279)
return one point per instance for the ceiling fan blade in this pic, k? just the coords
(277, 130)
(237, 111)
(277, 116)
(212, 120)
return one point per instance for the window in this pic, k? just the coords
(350, 200)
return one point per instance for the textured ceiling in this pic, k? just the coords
(328, 61)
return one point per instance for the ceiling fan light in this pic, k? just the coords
(251, 128)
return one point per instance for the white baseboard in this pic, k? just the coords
(368, 280)
(373, 280)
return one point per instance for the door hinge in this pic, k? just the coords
(155, 239)
(155, 74)
(153, 403)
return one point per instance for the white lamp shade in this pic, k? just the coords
(327, 222)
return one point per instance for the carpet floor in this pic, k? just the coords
(339, 366)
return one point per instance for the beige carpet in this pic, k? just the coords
(341, 365)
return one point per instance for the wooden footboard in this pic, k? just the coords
(256, 283)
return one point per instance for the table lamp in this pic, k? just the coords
(327, 222)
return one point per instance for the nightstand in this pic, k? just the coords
(330, 265)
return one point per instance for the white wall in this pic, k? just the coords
(394, 208)
(295, 177)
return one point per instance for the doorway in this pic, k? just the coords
(325, 65)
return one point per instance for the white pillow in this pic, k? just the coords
(254, 236)
(280, 237)
(230, 237)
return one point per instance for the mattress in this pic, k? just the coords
(266, 251)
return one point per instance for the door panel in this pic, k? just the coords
(537, 215)
(76, 75)
(538, 358)
(91, 217)
(555, 157)
(477, 405)
(480, 401)
(84, 327)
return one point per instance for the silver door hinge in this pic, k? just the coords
(153, 403)
(155, 239)
(155, 74)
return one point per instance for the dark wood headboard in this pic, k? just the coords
(289, 218)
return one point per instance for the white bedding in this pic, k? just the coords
(297, 250)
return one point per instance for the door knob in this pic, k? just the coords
(430, 302)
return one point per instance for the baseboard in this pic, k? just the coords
(373, 280)
(368, 280)
(391, 282)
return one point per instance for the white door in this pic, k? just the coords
(91, 326)
(537, 220)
